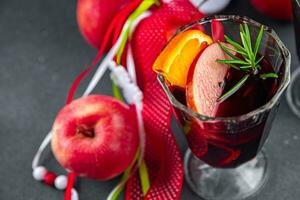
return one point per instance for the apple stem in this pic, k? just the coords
(85, 130)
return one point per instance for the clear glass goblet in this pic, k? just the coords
(224, 160)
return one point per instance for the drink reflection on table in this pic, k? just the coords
(293, 93)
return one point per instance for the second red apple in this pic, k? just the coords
(94, 16)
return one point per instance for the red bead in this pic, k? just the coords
(49, 178)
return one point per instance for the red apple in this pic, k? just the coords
(95, 137)
(94, 16)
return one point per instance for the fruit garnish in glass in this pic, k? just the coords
(224, 76)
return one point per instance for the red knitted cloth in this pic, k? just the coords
(162, 155)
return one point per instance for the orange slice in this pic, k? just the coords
(177, 57)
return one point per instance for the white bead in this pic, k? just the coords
(61, 182)
(39, 173)
(74, 195)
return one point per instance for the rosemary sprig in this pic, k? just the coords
(248, 62)
(268, 75)
(234, 88)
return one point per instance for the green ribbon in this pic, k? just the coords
(143, 171)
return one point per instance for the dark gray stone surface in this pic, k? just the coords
(41, 52)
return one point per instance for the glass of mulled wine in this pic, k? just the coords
(293, 92)
(224, 159)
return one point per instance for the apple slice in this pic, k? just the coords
(206, 81)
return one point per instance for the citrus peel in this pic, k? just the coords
(176, 58)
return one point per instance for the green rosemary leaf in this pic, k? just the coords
(259, 60)
(237, 51)
(249, 44)
(268, 75)
(248, 60)
(224, 48)
(248, 37)
(242, 28)
(234, 44)
(250, 51)
(246, 67)
(241, 62)
(258, 40)
(243, 41)
(233, 66)
(245, 44)
(234, 89)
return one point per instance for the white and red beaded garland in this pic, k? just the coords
(40, 173)
(61, 182)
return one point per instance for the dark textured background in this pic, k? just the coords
(41, 52)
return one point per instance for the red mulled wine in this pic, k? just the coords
(215, 143)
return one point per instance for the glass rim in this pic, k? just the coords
(267, 106)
